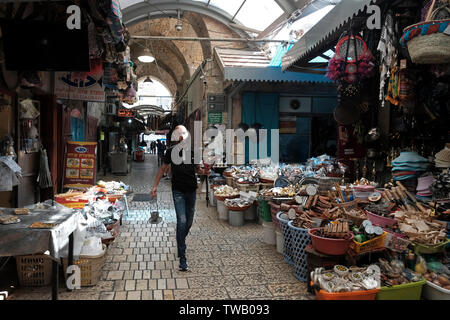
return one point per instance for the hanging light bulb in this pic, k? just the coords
(148, 80)
(146, 57)
(179, 26)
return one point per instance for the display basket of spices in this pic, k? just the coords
(231, 206)
(90, 268)
(300, 239)
(34, 270)
(369, 245)
(223, 198)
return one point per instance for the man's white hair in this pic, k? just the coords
(179, 131)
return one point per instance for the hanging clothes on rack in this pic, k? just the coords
(388, 52)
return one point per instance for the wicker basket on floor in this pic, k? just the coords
(90, 268)
(34, 270)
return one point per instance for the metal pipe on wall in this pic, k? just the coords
(206, 39)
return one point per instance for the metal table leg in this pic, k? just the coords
(126, 206)
(207, 192)
(70, 258)
(55, 279)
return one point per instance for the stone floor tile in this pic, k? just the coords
(181, 283)
(153, 284)
(239, 292)
(125, 266)
(107, 296)
(156, 274)
(171, 284)
(130, 285)
(128, 275)
(218, 293)
(134, 295)
(166, 274)
(168, 295)
(141, 284)
(115, 275)
(162, 284)
(120, 295)
(147, 295)
(157, 295)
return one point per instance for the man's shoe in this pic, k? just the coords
(183, 264)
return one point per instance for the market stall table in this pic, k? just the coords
(18, 239)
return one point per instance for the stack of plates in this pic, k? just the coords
(363, 191)
(423, 186)
(443, 157)
(408, 165)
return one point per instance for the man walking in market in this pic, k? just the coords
(180, 159)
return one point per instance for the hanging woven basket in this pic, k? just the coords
(427, 41)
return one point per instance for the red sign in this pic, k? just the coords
(79, 167)
(127, 113)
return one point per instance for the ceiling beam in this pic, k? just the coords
(274, 25)
(164, 8)
(286, 5)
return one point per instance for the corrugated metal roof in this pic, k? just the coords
(332, 22)
(242, 58)
(245, 65)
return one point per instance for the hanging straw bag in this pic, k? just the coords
(427, 41)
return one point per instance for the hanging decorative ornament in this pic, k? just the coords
(352, 62)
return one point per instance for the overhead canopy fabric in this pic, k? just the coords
(325, 31)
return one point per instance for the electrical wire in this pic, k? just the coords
(4, 264)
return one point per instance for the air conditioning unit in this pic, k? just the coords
(293, 104)
(111, 109)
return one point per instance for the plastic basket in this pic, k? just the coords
(264, 211)
(432, 291)
(246, 187)
(300, 239)
(408, 291)
(429, 249)
(287, 236)
(353, 295)
(274, 209)
(34, 270)
(90, 268)
(369, 245)
(329, 246)
(379, 220)
(229, 181)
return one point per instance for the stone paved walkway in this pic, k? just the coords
(226, 262)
